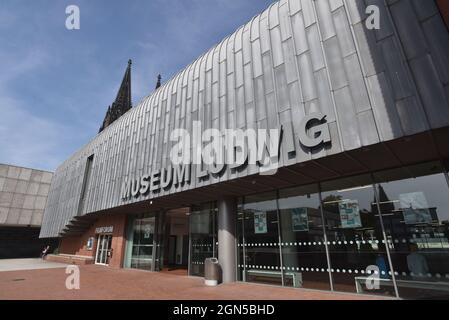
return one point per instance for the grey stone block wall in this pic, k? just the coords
(23, 195)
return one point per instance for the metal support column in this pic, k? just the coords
(227, 220)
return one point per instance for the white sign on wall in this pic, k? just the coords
(108, 229)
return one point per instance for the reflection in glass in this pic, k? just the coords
(302, 238)
(355, 240)
(203, 236)
(259, 251)
(281, 238)
(415, 209)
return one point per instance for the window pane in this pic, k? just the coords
(261, 246)
(415, 209)
(356, 245)
(240, 248)
(303, 248)
(202, 236)
(139, 252)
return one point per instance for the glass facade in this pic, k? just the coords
(302, 237)
(203, 236)
(385, 233)
(415, 210)
(140, 244)
(355, 244)
(260, 249)
(146, 238)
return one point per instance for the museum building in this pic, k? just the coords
(23, 193)
(359, 199)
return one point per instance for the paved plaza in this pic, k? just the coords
(28, 264)
(37, 279)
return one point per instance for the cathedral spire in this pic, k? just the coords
(124, 93)
(158, 84)
(122, 102)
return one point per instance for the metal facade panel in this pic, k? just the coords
(295, 58)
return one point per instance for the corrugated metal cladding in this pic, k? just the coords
(295, 58)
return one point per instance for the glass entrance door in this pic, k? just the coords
(203, 237)
(140, 251)
(104, 244)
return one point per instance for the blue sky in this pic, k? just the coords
(55, 84)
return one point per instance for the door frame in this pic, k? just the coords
(101, 237)
(128, 248)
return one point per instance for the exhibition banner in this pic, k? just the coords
(350, 214)
(260, 222)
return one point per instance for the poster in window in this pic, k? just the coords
(148, 231)
(260, 222)
(415, 208)
(300, 220)
(349, 214)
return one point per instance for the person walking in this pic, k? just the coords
(45, 252)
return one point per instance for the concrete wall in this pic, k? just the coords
(23, 195)
(296, 58)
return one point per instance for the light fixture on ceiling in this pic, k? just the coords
(355, 188)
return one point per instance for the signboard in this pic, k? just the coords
(349, 214)
(300, 220)
(261, 147)
(415, 208)
(109, 229)
(260, 222)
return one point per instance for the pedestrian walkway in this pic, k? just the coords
(28, 264)
(98, 282)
